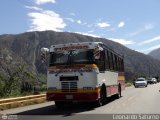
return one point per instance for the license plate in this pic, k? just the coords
(69, 96)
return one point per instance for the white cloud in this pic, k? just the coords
(91, 31)
(88, 34)
(45, 20)
(73, 14)
(34, 8)
(79, 21)
(103, 24)
(90, 25)
(122, 41)
(136, 33)
(146, 27)
(85, 23)
(121, 24)
(70, 19)
(40, 2)
(150, 49)
(157, 38)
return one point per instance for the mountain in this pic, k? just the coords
(155, 53)
(25, 49)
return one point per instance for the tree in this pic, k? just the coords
(11, 83)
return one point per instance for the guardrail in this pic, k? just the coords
(21, 101)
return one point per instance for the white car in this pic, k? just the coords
(140, 82)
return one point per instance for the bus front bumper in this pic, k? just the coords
(91, 96)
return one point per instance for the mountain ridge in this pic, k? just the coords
(155, 53)
(25, 48)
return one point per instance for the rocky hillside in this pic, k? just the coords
(155, 53)
(25, 48)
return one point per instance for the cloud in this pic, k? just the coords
(70, 19)
(146, 27)
(150, 49)
(121, 24)
(149, 26)
(91, 31)
(85, 23)
(88, 34)
(157, 38)
(103, 24)
(73, 14)
(90, 25)
(79, 21)
(40, 2)
(34, 8)
(122, 41)
(45, 20)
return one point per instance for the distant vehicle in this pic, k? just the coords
(158, 79)
(149, 81)
(140, 82)
(152, 80)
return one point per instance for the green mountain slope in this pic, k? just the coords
(25, 48)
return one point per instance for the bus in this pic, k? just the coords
(83, 72)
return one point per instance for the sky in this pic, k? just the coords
(132, 23)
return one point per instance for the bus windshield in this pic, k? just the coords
(72, 57)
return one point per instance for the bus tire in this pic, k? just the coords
(59, 104)
(103, 97)
(118, 95)
(103, 94)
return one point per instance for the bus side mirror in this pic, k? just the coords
(43, 54)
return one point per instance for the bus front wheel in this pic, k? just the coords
(103, 97)
(118, 95)
(59, 104)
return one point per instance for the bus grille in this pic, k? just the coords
(69, 86)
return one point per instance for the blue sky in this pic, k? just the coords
(133, 23)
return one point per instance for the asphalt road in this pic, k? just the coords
(133, 100)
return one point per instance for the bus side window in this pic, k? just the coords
(122, 64)
(106, 59)
(110, 60)
(113, 61)
(101, 61)
(118, 64)
(116, 67)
